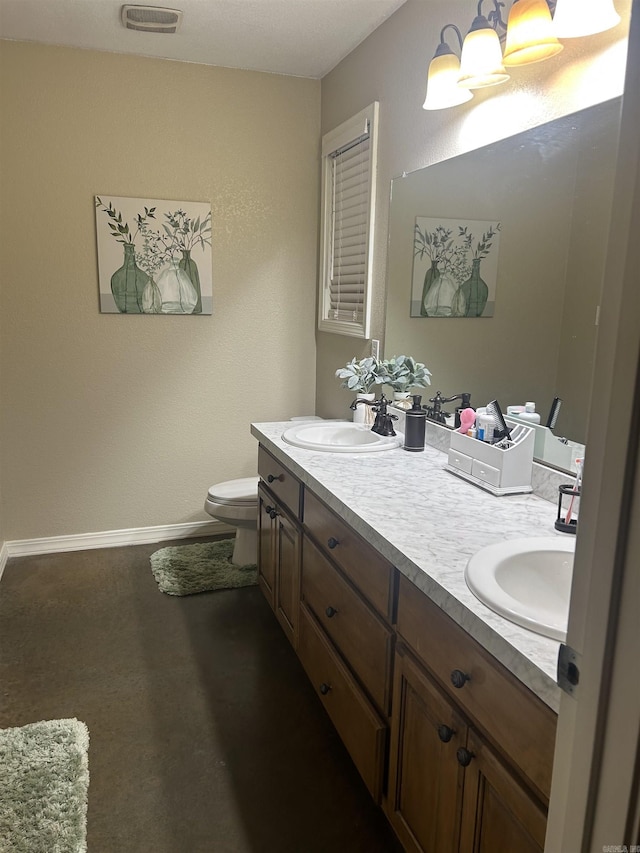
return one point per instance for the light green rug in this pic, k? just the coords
(44, 782)
(203, 566)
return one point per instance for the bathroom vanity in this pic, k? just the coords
(447, 710)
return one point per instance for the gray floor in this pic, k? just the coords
(205, 733)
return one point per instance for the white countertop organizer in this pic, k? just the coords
(501, 471)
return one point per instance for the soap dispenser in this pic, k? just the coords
(415, 424)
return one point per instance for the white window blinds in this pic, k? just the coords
(348, 204)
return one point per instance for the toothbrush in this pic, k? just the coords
(576, 487)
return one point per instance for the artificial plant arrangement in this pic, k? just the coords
(403, 373)
(361, 375)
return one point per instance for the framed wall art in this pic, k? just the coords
(455, 267)
(154, 256)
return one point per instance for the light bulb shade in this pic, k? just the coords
(442, 83)
(481, 60)
(575, 18)
(530, 34)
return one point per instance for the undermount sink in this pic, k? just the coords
(339, 437)
(527, 581)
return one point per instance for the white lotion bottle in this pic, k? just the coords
(529, 414)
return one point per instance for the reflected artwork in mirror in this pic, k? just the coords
(546, 194)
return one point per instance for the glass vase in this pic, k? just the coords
(128, 283)
(439, 300)
(151, 298)
(431, 276)
(475, 291)
(177, 293)
(188, 265)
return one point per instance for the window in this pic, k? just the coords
(348, 206)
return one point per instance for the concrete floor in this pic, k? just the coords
(205, 733)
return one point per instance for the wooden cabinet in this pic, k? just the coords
(279, 542)
(455, 748)
(471, 747)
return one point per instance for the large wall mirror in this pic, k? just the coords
(550, 189)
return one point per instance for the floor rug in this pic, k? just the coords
(44, 784)
(201, 567)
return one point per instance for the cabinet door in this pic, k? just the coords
(499, 815)
(287, 563)
(266, 545)
(425, 779)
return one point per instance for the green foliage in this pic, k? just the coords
(403, 372)
(361, 375)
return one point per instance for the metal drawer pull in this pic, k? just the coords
(324, 688)
(331, 612)
(459, 678)
(464, 756)
(271, 511)
(445, 733)
(332, 542)
(271, 478)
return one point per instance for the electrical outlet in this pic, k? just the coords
(375, 348)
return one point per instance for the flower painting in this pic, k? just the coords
(154, 257)
(455, 267)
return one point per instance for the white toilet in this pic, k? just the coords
(236, 503)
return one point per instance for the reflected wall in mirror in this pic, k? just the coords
(551, 189)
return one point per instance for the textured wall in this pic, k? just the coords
(113, 421)
(391, 67)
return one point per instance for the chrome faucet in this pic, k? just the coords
(383, 424)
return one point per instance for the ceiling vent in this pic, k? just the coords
(151, 19)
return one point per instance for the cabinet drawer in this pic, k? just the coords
(485, 472)
(362, 731)
(362, 564)
(363, 639)
(281, 481)
(460, 461)
(515, 720)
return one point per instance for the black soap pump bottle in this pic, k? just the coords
(415, 423)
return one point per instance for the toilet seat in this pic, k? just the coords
(242, 492)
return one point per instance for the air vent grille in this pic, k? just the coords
(151, 19)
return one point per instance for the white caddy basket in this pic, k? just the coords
(501, 472)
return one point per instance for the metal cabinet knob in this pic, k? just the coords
(332, 542)
(331, 612)
(324, 688)
(459, 678)
(271, 478)
(445, 733)
(464, 756)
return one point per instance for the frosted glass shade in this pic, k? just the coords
(530, 33)
(481, 60)
(575, 18)
(442, 83)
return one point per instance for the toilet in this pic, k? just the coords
(235, 502)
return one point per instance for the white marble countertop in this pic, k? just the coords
(428, 522)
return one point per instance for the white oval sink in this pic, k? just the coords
(528, 581)
(339, 437)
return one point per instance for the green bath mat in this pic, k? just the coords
(204, 566)
(44, 785)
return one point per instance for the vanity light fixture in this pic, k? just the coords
(530, 33)
(442, 80)
(574, 18)
(481, 59)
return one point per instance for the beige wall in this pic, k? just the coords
(391, 66)
(113, 421)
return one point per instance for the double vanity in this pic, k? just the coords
(447, 709)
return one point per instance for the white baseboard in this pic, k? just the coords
(111, 539)
(4, 555)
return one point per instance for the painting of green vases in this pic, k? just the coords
(448, 281)
(154, 256)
